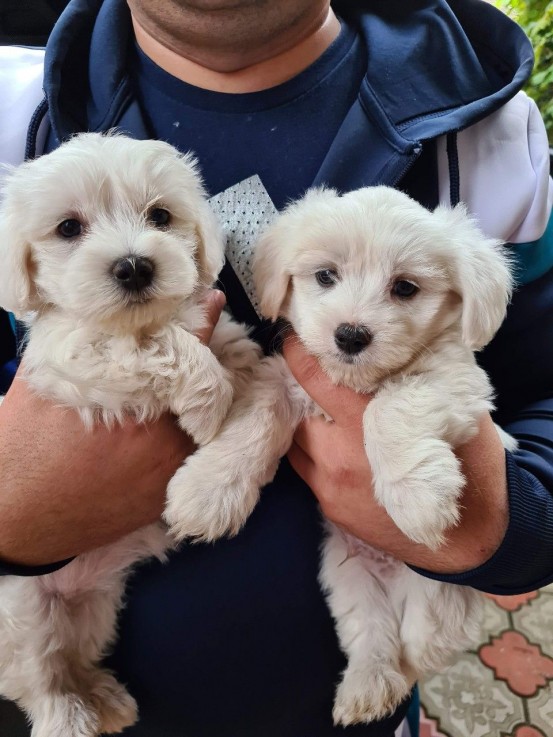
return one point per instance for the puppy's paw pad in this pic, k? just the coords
(367, 695)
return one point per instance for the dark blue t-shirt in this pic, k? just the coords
(281, 134)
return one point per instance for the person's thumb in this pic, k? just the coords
(214, 303)
(344, 405)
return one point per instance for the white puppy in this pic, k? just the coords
(393, 300)
(107, 248)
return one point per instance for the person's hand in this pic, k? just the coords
(331, 459)
(65, 490)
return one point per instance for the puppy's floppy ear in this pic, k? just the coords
(211, 243)
(18, 293)
(270, 272)
(279, 245)
(481, 274)
(211, 246)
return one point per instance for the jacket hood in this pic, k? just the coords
(436, 66)
(432, 66)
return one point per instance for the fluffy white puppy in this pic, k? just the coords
(107, 248)
(393, 300)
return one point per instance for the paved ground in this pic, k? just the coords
(505, 687)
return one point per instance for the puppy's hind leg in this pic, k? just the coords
(93, 704)
(63, 715)
(439, 621)
(372, 685)
(76, 698)
(34, 669)
(80, 603)
(115, 707)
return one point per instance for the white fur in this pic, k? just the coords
(428, 396)
(94, 348)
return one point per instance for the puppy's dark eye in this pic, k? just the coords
(326, 277)
(70, 228)
(160, 217)
(404, 289)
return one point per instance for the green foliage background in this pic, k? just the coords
(536, 18)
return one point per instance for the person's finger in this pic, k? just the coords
(214, 303)
(344, 405)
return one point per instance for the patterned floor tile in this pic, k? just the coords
(517, 662)
(428, 727)
(525, 730)
(505, 687)
(496, 619)
(540, 711)
(536, 622)
(512, 603)
(467, 701)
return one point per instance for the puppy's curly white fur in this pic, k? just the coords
(393, 300)
(108, 247)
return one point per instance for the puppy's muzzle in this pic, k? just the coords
(133, 273)
(352, 339)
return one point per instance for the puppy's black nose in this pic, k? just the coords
(133, 273)
(352, 339)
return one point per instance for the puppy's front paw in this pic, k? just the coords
(202, 505)
(204, 418)
(426, 526)
(369, 694)
(424, 502)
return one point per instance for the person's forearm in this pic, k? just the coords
(344, 492)
(522, 562)
(64, 490)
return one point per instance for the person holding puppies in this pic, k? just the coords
(274, 98)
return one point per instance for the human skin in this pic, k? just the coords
(232, 46)
(65, 490)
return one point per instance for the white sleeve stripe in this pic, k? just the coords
(21, 74)
(504, 172)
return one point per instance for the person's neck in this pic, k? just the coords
(243, 72)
